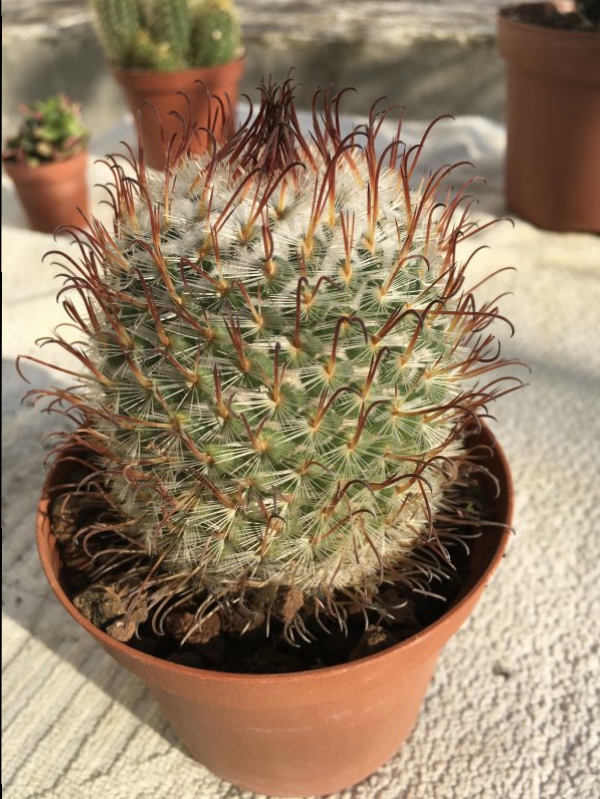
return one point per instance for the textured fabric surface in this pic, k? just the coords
(513, 709)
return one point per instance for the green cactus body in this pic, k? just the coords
(216, 36)
(173, 25)
(168, 35)
(146, 53)
(283, 361)
(118, 23)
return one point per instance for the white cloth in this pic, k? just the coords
(513, 710)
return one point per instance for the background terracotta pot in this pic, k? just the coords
(311, 732)
(161, 90)
(553, 124)
(52, 193)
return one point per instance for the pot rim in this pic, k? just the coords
(556, 54)
(132, 73)
(541, 30)
(46, 549)
(18, 168)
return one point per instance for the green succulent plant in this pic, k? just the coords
(283, 362)
(52, 130)
(168, 35)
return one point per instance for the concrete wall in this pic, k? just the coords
(432, 57)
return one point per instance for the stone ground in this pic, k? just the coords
(512, 712)
(432, 56)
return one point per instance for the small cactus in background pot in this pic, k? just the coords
(47, 161)
(52, 130)
(283, 363)
(175, 60)
(168, 35)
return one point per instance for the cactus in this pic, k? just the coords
(283, 362)
(173, 26)
(168, 35)
(216, 36)
(119, 23)
(147, 53)
(52, 130)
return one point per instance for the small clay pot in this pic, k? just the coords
(553, 123)
(156, 94)
(312, 732)
(51, 194)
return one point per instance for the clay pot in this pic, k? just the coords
(312, 732)
(52, 193)
(156, 94)
(553, 123)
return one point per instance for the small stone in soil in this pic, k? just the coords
(288, 603)
(122, 629)
(100, 605)
(139, 611)
(373, 640)
(183, 626)
(247, 625)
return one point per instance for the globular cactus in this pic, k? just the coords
(168, 35)
(52, 130)
(283, 361)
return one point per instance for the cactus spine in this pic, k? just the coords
(173, 26)
(118, 25)
(216, 33)
(283, 361)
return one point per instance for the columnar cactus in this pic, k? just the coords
(215, 35)
(168, 35)
(52, 130)
(118, 23)
(283, 360)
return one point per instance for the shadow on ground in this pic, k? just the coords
(27, 597)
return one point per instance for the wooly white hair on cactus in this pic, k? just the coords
(283, 361)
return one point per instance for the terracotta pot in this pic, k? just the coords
(553, 124)
(52, 193)
(312, 732)
(163, 91)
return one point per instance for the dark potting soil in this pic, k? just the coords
(547, 15)
(235, 641)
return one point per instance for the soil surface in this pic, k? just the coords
(547, 15)
(236, 640)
